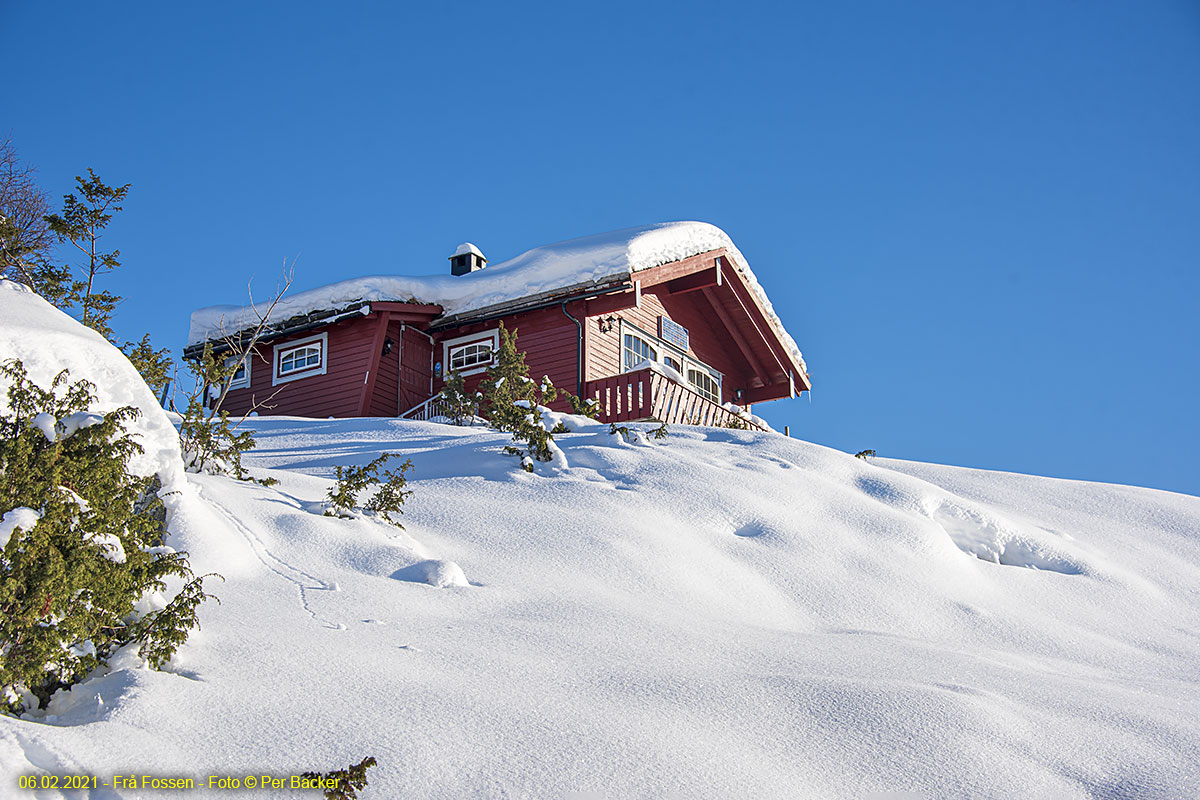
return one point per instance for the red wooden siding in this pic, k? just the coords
(707, 339)
(385, 399)
(548, 338)
(727, 331)
(416, 368)
(337, 393)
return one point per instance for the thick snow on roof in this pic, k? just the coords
(466, 248)
(598, 260)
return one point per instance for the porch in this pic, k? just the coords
(628, 397)
(648, 395)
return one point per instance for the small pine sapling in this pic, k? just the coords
(459, 404)
(629, 434)
(341, 784)
(864, 454)
(512, 402)
(153, 365)
(589, 407)
(81, 223)
(353, 481)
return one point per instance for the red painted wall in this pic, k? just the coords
(707, 339)
(548, 338)
(337, 393)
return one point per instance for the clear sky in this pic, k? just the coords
(981, 222)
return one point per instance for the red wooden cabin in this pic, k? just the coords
(664, 322)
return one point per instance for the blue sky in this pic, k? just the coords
(981, 224)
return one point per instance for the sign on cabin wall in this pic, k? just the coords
(673, 333)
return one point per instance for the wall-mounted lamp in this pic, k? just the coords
(387, 345)
(606, 324)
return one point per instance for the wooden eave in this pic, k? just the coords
(714, 276)
(302, 323)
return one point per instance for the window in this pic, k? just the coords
(705, 385)
(300, 359)
(241, 378)
(636, 351)
(470, 355)
(638, 346)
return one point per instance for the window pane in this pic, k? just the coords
(300, 358)
(704, 385)
(636, 351)
(470, 355)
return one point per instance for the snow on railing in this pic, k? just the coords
(645, 394)
(435, 406)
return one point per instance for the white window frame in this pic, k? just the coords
(701, 371)
(634, 333)
(321, 340)
(449, 346)
(244, 381)
(664, 349)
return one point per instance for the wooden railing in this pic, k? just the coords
(433, 407)
(646, 394)
(641, 395)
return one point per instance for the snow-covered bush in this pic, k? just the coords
(353, 481)
(589, 407)
(639, 434)
(459, 404)
(82, 560)
(341, 784)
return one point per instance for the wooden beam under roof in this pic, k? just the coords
(758, 319)
(375, 357)
(730, 325)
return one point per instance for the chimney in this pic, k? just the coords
(466, 258)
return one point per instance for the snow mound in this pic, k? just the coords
(726, 613)
(977, 530)
(435, 572)
(990, 537)
(589, 261)
(48, 341)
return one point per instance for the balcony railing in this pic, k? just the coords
(433, 407)
(631, 396)
(647, 395)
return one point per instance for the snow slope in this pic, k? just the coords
(717, 614)
(721, 614)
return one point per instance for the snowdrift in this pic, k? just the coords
(48, 341)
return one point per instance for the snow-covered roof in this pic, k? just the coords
(466, 248)
(598, 260)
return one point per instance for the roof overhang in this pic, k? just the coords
(406, 312)
(714, 277)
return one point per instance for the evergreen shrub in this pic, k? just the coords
(81, 544)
